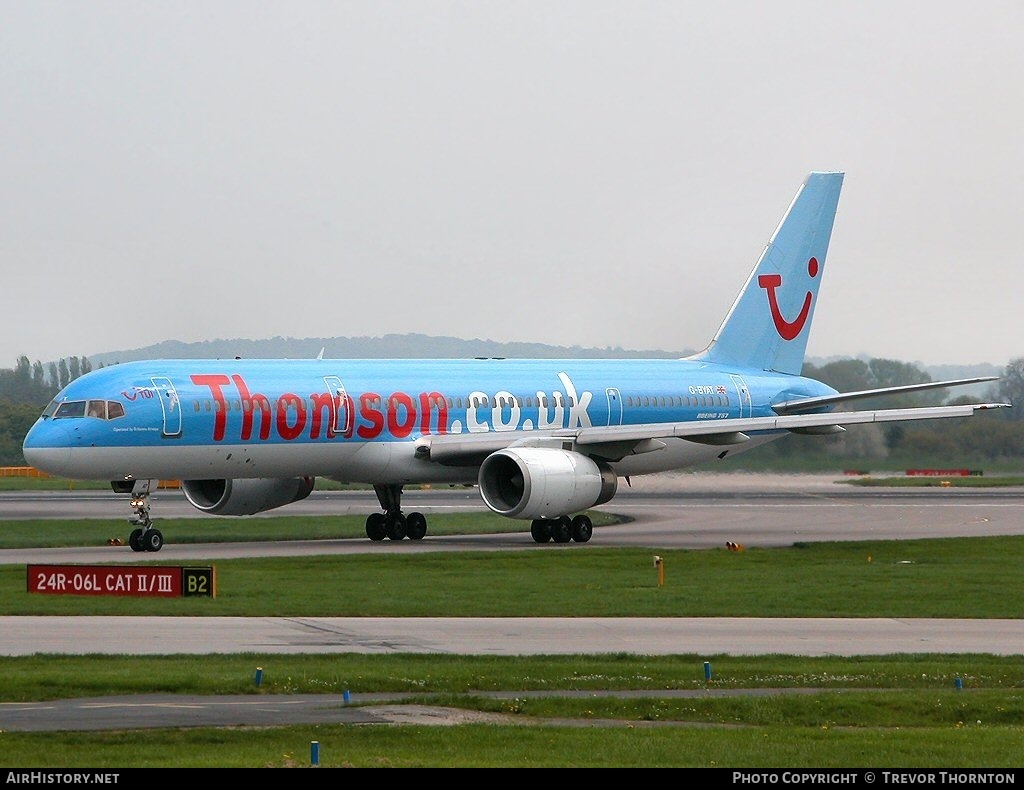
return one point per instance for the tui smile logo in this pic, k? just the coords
(787, 329)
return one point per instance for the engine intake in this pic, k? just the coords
(245, 497)
(542, 482)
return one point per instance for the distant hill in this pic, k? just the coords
(418, 346)
(413, 346)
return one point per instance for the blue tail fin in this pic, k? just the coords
(768, 325)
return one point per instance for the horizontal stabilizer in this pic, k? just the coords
(806, 404)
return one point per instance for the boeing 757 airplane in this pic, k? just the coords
(543, 439)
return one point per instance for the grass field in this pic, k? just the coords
(892, 711)
(922, 578)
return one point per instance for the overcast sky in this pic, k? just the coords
(577, 173)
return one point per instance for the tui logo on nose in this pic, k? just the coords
(787, 329)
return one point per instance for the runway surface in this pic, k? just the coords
(666, 512)
(707, 636)
(682, 511)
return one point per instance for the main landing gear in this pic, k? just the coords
(145, 537)
(393, 523)
(562, 529)
(396, 525)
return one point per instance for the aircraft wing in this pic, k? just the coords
(615, 442)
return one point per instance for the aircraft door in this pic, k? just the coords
(343, 411)
(614, 406)
(169, 405)
(742, 395)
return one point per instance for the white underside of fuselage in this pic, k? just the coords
(372, 462)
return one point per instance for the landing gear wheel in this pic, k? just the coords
(375, 528)
(582, 528)
(541, 530)
(152, 540)
(415, 526)
(135, 540)
(561, 529)
(395, 525)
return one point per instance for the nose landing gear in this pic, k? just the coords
(145, 537)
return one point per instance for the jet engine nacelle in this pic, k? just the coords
(543, 482)
(244, 497)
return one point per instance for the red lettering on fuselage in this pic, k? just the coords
(369, 410)
(328, 415)
(427, 401)
(323, 401)
(220, 406)
(401, 415)
(249, 405)
(286, 404)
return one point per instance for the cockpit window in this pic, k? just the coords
(101, 409)
(70, 408)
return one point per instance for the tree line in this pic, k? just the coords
(997, 436)
(994, 437)
(24, 390)
(34, 383)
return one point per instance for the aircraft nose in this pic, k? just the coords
(47, 447)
